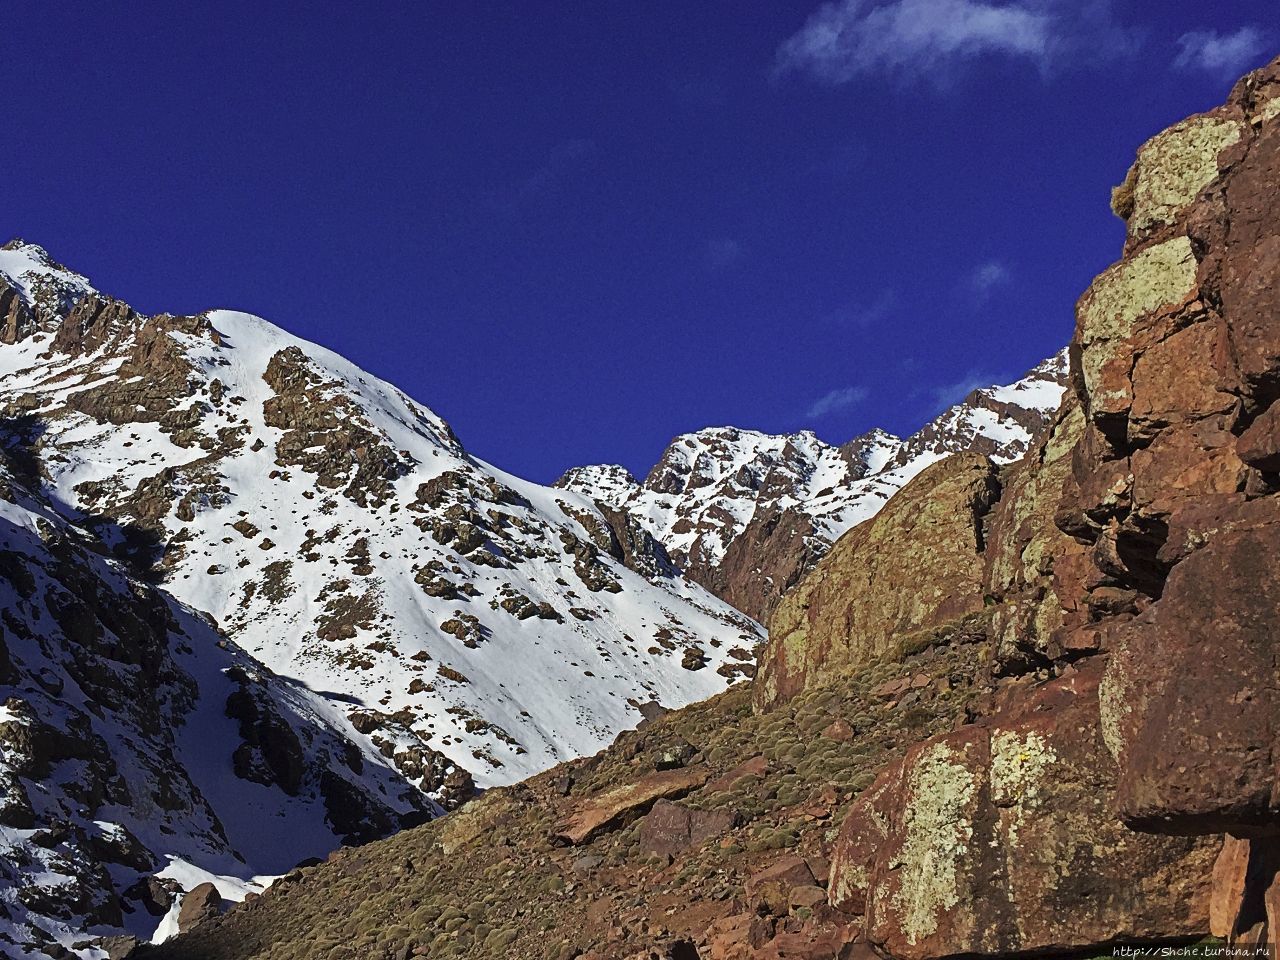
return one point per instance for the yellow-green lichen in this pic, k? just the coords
(1113, 703)
(1159, 276)
(937, 830)
(1019, 765)
(1176, 165)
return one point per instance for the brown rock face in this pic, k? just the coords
(201, 904)
(1172, 488)
(913, 569)
(1000, 838)
(669, 828)
(1190, 702)
(773, 553)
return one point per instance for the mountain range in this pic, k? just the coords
(240, 566)
(1024, 710)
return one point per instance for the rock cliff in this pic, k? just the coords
(1011, 716)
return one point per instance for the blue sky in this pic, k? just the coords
(578, 229)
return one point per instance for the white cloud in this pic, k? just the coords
(565, 160)
(845, 39)
(837, 400)
(865, 313)
(723, 252)
(987, 276)
(1226, 54)
(948, 395)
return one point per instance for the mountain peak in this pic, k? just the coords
(47, 289)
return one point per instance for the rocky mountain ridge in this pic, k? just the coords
(406, 622)
(341, 532)
(748, 514)
(1021, 712)
(142, 752)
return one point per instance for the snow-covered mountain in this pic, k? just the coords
(747, 513)
(407, 609)
(142, 753)
(341, 533)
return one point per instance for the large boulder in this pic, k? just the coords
(1190, 704)
(913, 569)
(1173, 486)
(627, 802)
(1000, 838)
(201, 904)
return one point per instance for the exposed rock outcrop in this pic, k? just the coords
(912, 571)
(1179, 351)
(1000, 838)
(748, 514)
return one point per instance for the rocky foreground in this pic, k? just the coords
(1023, 711)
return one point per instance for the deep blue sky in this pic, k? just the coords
(577, 229)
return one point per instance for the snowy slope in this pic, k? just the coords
(339, 532)
(141, 753)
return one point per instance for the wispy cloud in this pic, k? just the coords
(1222, 54)
(949, 394)
(563, 161)
(723, 252)
(847, 39)
(986, 277)
(864, 313)
(836, 401)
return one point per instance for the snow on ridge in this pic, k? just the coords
(405, 609)
(710, 483)
(39, 278)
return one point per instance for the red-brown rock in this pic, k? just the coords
(772, 886)
(201, 903)
(670, 828)
(757, 766)
(1190, 704)
(999, 838)
(616, 806)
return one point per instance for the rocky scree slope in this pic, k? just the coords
(339, 532)
(1040, 755)
(141, 752)
(748, 514)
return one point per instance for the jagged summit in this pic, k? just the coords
(784, 498)
(465, 627)
(40, 290)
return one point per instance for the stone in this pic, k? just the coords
(612, 808)
(756, 767)
(674, 756)
(974, 841)
(772, 886)
(1230, 872)
(840, 731)
(806, 896)
(1189, 704)
(1259, 445)
(886, 584)
(891, 689)
(670, 828)
(119, 947)
(200, 904)
(736, 937)
(1175, 165)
